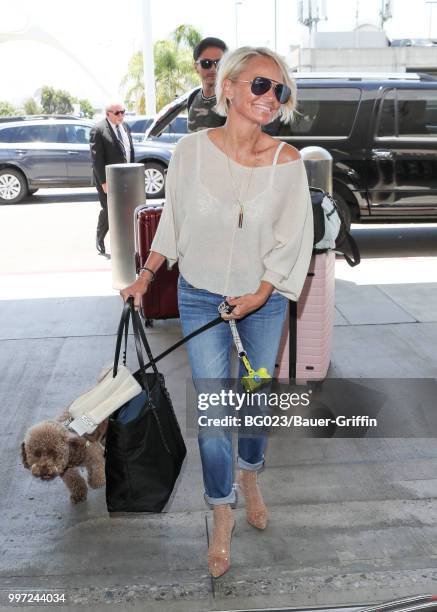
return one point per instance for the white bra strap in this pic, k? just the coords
(278, 150)
(275, 162)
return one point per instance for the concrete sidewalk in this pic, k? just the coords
(352, 520)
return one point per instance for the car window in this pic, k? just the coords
(139, 125)
(179, 125)
(8, 134)
(38, 133)
(135, 126)
(52, 133)
(386, 124)
(76, 133)
(323, 112)
(417, 112)
(407, 112)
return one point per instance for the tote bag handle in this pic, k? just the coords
(139, 335)
(123, 329)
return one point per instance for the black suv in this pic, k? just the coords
(381, 131)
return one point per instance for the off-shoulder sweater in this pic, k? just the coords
(199, 224)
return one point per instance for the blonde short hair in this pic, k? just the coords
(232, 65)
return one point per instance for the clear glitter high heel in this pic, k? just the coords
(219, 551)
(256, 510)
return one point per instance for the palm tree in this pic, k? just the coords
(133, 82)
(174, 71)
(186, 35)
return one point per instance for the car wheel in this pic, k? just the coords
(13, 186)
(344, 210)
(32, 191)
(154, 177)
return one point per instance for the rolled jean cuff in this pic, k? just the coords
(254, 467)
(218, 501)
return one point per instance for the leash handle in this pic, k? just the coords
(236, 337)
(226, 308)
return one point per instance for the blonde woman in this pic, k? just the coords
(238, 221)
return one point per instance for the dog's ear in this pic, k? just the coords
(24, 456)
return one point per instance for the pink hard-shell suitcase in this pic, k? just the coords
(310, 324)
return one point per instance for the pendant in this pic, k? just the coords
(240, 216)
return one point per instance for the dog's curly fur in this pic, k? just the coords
(49, 449)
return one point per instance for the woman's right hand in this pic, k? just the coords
(147, 275)
(136, 290)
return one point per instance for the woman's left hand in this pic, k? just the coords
(244, 305)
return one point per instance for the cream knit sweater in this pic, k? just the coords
(199, 224)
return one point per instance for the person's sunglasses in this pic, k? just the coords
(206, 64)
(121, 112)
(261, 85)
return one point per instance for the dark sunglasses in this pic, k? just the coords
(261, 85)
(122, 112)
(206, 64)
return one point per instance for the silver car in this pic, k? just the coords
(54, 152)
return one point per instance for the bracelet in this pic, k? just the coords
(146, 269)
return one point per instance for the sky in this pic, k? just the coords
(103, 34)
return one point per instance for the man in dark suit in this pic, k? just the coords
(110, 143)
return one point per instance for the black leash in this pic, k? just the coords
(212, 323)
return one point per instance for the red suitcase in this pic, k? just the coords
(310, 324)
(161, 300)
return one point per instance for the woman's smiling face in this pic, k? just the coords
(259, 109)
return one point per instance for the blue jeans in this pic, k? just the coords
(210, 358)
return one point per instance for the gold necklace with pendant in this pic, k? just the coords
(238, 193)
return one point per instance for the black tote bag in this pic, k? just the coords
(143, 456)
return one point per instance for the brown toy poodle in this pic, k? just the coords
(50, 449)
